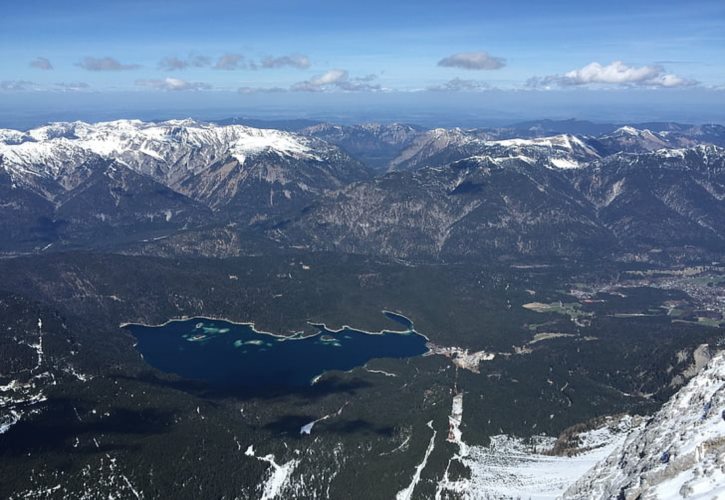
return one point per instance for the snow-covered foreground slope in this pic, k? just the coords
(514, 468)
(680, 453)
(677, 453)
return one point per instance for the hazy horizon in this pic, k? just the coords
(427, 109)
(456, 64)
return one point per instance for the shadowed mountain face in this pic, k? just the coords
(450, 194)
(374, 144)
(662, 199)
(472, 208)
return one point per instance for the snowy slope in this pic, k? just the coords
(680, 453)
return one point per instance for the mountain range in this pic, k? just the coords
(380, 189)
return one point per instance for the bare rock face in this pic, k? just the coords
(680, 453)
(702, 357)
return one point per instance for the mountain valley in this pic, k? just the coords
(566, 279)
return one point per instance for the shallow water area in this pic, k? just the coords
(227, 354)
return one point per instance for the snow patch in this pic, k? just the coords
(564, 163)
(307, 428)
(279, 474)
(407, 493)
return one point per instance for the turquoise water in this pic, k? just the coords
(227, 354)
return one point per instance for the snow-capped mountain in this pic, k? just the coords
(679, 453)
(632, 140)
(71, 177)
(454, 192)
(169, 152)
(563, 151)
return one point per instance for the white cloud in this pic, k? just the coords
(615, 73)
(337, 79)
(174, 84)
(105, 64)
(670, 80)
(41, 63)
(294, 60)
(473, 60)
(331, 77)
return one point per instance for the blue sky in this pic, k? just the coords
(266, 48)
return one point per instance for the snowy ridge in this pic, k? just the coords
(641, 134)
(270, 140)
(563, 141)
(636, 140)
(167, 151)
(680, 453)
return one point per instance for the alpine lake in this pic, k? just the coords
(228, 355)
